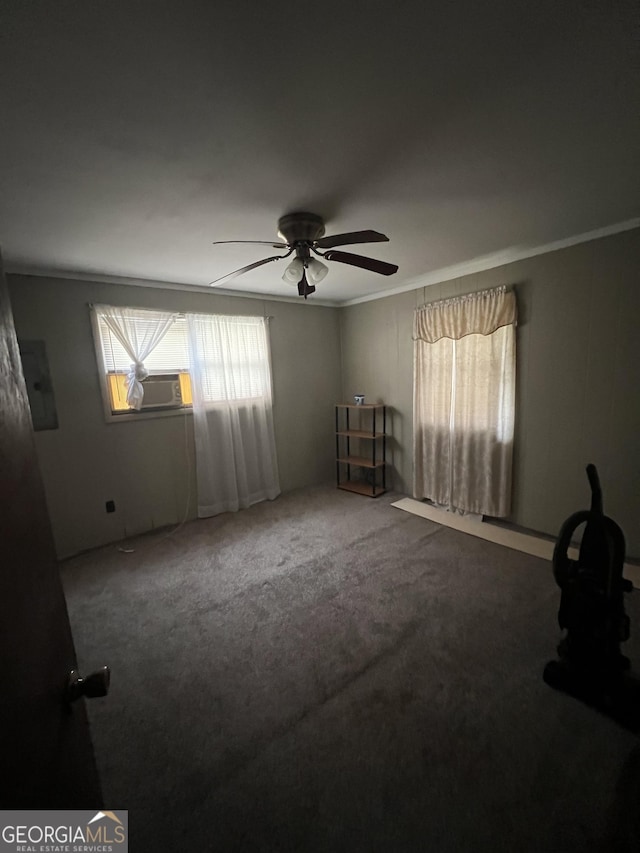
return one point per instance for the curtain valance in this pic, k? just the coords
(473, 314)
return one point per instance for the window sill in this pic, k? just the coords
(127, 417)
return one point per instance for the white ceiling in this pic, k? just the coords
(134, 134)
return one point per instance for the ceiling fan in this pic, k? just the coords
(303, 233)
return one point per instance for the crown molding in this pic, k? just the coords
(496, 259)
(475, 265)
(75, 275)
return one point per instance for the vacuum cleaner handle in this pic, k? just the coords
(596, 491)
(562, 565)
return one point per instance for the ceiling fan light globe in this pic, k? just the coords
(316, 271)
(293, 272)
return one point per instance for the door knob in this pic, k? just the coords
(96, 684)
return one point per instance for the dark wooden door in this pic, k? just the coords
(46, 754)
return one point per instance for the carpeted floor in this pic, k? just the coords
(328, 673)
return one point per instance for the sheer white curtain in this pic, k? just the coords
(464, 401)
(139, 332)
(236, 462)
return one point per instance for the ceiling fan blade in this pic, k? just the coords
(253, 243)
(350, 238)
(249, 267)
(372, 264)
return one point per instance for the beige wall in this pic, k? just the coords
(147, 466)
(578, 397)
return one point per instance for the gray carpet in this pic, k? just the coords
(328, 673)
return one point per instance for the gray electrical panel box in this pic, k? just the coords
(35, 367)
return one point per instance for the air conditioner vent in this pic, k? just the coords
(162, 391)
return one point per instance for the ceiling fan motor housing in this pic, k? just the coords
(295, 227)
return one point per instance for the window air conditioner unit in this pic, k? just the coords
(162, 391)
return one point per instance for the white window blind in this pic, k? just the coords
(169, 356)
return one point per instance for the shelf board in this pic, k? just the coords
(360, 433)
(360, 406)
(361, 488)
(362, 461)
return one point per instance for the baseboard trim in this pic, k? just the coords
(524, 542)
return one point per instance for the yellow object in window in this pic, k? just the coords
(185, 389)
(118, 392)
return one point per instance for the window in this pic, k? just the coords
(170, 355)
(231, 357)
(167, 363)
(464, 401)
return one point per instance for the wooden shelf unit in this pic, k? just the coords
(369, 434)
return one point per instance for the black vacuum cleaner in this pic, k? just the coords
(591, 666)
